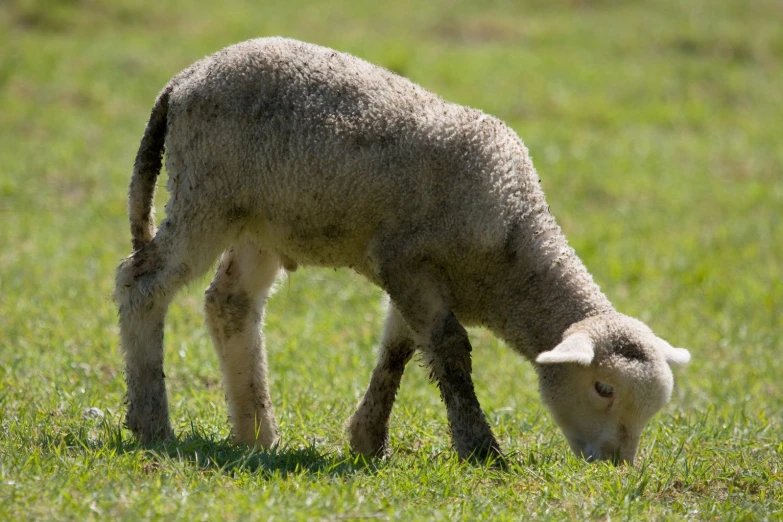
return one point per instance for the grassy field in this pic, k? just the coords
(657, 129)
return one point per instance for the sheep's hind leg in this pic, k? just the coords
(234, 307)
(368, 427)
(146, 283)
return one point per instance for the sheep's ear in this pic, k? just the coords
(576, 348)
(673, 355)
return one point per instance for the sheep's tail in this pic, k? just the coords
(149, 160)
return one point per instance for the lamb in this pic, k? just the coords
(281, 153)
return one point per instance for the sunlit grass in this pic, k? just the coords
(656, 129)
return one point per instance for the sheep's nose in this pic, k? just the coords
(589, 453)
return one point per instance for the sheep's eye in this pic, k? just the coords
(603, 389)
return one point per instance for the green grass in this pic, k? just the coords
(657, 130)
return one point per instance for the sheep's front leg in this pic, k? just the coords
(234, 308)
(368, 427)
(422, 300)
(448, 357)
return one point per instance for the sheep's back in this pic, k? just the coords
(320, 151)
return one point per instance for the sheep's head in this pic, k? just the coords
(604, 381)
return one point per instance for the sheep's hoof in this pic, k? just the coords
(377, 450)
(266, 439)
(370, 443)
(148, 429)
(152, 436)
(490, 455)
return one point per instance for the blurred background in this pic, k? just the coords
(655, 127)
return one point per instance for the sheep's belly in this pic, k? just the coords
(321, 244)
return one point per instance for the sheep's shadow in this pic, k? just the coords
(209, 453)
(223, 456)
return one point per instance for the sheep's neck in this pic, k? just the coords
(544, 299)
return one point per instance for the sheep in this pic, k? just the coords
(281, 153)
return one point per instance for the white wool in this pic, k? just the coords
(282, 153)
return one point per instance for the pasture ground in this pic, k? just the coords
(656, 128)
